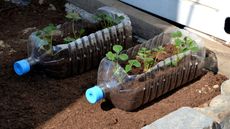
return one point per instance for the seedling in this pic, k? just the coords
(131, 64)
(115, 57)
(46, 33)
(159, 50)
(74, 17)
(107, 20)
(184, 44)
(70, 39)
(145, 55)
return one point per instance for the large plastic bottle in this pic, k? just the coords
(128, 92)
(78, 56)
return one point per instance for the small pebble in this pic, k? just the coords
(11, 51)
(41, 2)
(215, 86)
(2, 45)
(52, 7)
(225, 88)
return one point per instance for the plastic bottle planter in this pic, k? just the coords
(85, 53)
(128, 92)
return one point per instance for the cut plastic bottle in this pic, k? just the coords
(128, 92)
(81, 55)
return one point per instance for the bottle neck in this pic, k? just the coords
(108, 86)
(32, 61)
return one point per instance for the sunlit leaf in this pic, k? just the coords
(123, 57)
(110, 56)
(117, 48)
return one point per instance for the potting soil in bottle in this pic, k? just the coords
(128, 92)
(78, 56)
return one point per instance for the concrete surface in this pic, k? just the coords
(184, 118)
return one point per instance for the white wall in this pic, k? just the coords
(207, 16)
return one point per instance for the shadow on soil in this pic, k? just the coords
(30, 100)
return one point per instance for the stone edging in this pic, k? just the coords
(214, 116)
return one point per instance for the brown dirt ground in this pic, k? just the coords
(37, 101)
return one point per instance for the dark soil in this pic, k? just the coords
(82, 115)
(37, 101)
(170, 50)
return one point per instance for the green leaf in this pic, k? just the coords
(194, 49)
(38, 33)
(159, 49)
(141, 55)
(178, 42)
(117, 48)
(174, 63)
(82, 31)
(148, 59)
(48, 29)
(184, 49)
(179, 34)
(121, 17)
(176, 34)
(136, 63)
(128, 68)
(123, 57)
(73, 16)
(143, 49)
(110, 56)
(188, 40)
(68, 39)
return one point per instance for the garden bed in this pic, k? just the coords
(36, 100)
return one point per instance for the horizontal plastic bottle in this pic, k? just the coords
(128, 92)
(80, 55)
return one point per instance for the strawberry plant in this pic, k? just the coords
(131, 64)
(47, 33)
(74, 17)
(107, 20)
(184, 44)
(146, 56)
(115, 57)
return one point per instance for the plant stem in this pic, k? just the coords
(73, 29)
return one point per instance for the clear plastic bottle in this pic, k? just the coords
(78, 56)
(129, 92)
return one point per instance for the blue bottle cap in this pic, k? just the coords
(94, 94)
(21, 67)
